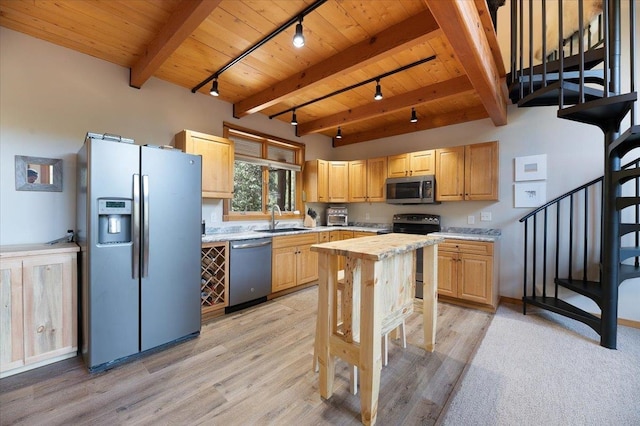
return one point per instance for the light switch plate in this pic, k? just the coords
(471, 220)
(485, 216)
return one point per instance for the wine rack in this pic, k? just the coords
(214, 284)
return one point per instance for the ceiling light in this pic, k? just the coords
(214, 88)
(298, 38)
(339, 134)
(414, 116)
(294, 119)
(378, 94)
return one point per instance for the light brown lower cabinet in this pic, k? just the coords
(467, 273)
(38, 313)
(292, 261)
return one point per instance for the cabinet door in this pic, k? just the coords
(450, 174)
(323, 181)
(447, 273)
(358, 181)
(338, 181)
(11, 323)
(307, 270)
(283, 268)
(315, 181)
(475, 276)
(217, 161)
(50, 300)
(481, 171)
(423, 163)
(376, 177)
(398, 165)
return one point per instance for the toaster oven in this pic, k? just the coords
(337, 216)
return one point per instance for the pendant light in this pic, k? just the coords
(378, 94)
(414, 116)
(214, 88)
(298, 38)
(294, 119)
(339, 134)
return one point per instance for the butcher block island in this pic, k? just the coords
(374, 298)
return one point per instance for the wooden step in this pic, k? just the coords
(624, 202)
(625, 142)
(627, 272)
(549, 95)
(590, 289)
(592, 58)
(605, 113)
(629, 251)
(625, 175)
(561, 307)
(626, 228)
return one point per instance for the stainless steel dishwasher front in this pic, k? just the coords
(250, 271)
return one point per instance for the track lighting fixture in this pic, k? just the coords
(378, 94)
(414, 116)
(298, 38)
(214, 88)
(339, 134)
(294, 119)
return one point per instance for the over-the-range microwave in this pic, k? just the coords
(412, 190)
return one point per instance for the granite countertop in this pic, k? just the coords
(470, 234)
(235, 235)
(377, 247)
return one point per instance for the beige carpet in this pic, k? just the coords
(544, 369)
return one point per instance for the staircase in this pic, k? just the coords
(587, 241)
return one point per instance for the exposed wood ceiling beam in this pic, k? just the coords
(415, 30)
(441, 120)
(461, 24)
(182, 23)
(423, 95)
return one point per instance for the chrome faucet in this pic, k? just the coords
(273, 215)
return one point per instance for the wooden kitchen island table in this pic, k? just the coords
(377, 296)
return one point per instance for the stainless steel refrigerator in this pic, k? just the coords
(139, 231)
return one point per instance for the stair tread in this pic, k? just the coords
(624, 202)
(604, 113)
(566, 309)
(629, 251)
(625, 175)
(628, 272)
(626, 228)
(626, 142)
(590, 289)
(547, 96)
(592, 58)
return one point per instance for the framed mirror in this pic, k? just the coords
(38, 174)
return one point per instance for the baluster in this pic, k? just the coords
(571, 237)
(544, 254)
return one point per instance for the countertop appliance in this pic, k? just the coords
(139, 214)
(337, 216)
(411, 190)
(417, 223)
(249, 272)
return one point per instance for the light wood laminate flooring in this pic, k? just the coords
(253, 367)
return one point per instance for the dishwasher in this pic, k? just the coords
(249, 272)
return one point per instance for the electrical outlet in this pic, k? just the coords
(366, 216)
(471, 220)
(485, 216)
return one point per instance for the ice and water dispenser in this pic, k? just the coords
(114, 221)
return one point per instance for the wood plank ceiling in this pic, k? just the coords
(346, 42)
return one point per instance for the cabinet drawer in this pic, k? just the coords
(464, 246)
(323, 237)
(295, 240)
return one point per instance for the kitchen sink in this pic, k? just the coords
(279, 230)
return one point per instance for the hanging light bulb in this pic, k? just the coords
(378, 94)
(294, 119)
(298, 38)
(214, 88)
(414, 116)
(339, 134)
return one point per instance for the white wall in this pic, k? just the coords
(51, 96)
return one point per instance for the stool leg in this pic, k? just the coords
(404, 335)
(353, 379)
(385, 350)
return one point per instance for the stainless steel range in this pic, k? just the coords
(421, 224)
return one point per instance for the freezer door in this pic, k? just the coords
(170, 283)
(110, 292)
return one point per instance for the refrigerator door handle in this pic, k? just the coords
(145, 226)
(135, 264)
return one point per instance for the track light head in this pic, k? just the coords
(414, 116)
(214, 88)
(378, 94)
(298, 38)
(339, 133)
(294, 119)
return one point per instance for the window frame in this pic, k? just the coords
(266, 141)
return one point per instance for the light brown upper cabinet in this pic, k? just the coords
(217, 161)
(338, 181)
(367, 180)
(316, 181)
(467, 172)
(417, 163)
